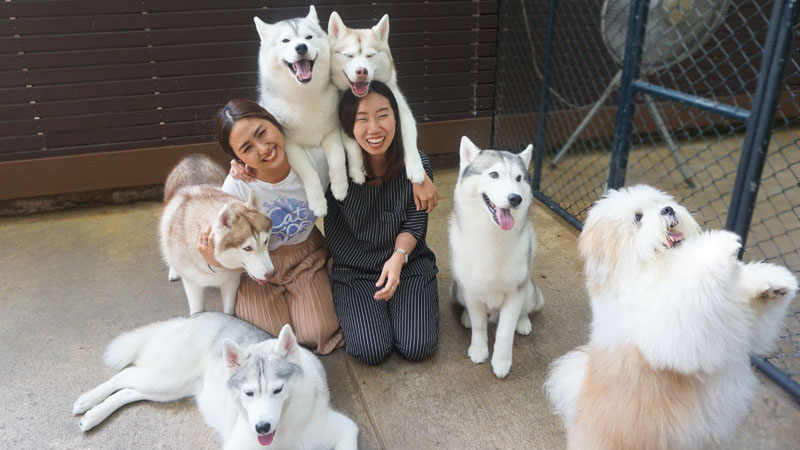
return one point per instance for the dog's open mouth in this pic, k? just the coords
(266, 439)
(359, 88)
(301, 69)
(674, 237)
(501, 216)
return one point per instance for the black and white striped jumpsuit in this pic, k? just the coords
(361, 233)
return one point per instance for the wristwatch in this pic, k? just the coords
(404, 253)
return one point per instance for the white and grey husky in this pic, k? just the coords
(358, 57)
(252, 389)
(295, 86)
(492, 245)
(193, 198)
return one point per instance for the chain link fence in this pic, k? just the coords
(565, 101)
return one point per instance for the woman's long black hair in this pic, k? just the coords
(239, 108)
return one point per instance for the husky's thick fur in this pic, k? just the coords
(675, 316)
(492, 245)
(193, 198)
(295, 86)
(254, 391)
(358, 57)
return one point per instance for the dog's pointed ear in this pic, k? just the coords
(233, 355)
(336, 27)
(262, 28)
(252, 201)
(287, 342)
(467, 152)
(526, 155)
(225, 217)
(382, 28)
(312, 14)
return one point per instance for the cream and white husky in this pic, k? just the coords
(358, 57)
(192, 199)
(295, 86)
(492, 245)
(253, 390)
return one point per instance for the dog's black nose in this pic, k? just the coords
(667, 211)
(301, 49)
(515, 199)
(362, 71)
(263, 427)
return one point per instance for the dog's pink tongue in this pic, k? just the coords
(266, 439)
(504, 218)
(303, 69)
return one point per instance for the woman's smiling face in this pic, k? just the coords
(374, 127)
(259, 144)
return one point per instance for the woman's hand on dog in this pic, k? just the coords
(242, 172)
(390, 277)
(426, 196)
(205, 245)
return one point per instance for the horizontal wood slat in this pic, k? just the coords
(89, 76)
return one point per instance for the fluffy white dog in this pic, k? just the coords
(675, 317)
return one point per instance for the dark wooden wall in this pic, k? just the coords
(82, 77)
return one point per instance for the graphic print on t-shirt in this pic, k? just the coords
(289, 218)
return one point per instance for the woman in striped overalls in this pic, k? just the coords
(384, 274)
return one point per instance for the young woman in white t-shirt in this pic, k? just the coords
(299, 293)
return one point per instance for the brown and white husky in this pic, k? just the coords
(193, 198)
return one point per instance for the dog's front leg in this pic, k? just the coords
(478, 350)
(337, 167)
(504, 337)
(228, 293)
(355, 160)
(194, 294)
(414, 169)
(299, 161)
(769, 289)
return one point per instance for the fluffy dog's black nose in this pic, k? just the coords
(263, 427)
(362, 71)
(301, 49)
(515, 199)
(667, 211)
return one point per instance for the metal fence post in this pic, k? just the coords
(637, 22)
(543, 105)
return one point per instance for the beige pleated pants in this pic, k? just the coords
(298, 294)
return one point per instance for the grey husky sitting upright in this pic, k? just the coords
(295, 86)
(252, 389)
(193, 198)
(492, 245)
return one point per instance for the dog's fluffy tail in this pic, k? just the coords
(125, 348)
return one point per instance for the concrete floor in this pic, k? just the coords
(71, 281)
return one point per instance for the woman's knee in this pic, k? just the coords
(417, 348)
(369, 354)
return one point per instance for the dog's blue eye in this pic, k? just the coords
(248, 249)
(248, 393)
(494, 175)
(285, 41)
(278, 391)
(638, 217)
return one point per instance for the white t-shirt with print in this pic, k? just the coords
(284, 202)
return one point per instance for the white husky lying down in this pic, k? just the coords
(253, 390)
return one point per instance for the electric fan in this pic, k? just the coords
(675, 30)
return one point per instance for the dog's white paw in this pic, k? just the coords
(339, 189)
(524, 326)
(318, 206)
(465, 319)
(501, 366)
(173, 275)
(83, 403)
(358, 175)
(726, 243)
(478, 353)
(89, 420)
(414, 168)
